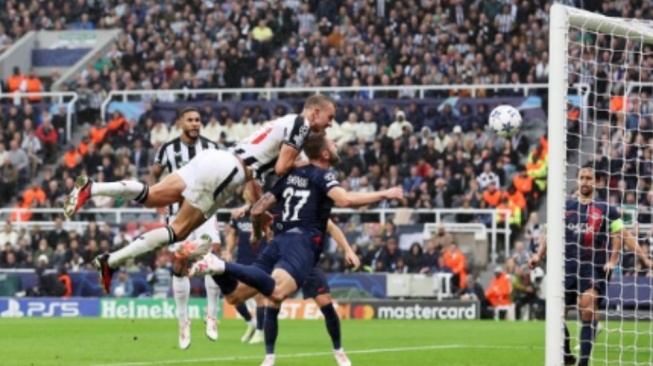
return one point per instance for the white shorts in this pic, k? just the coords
(211, 177)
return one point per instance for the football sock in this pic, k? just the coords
(586, 340)
(147, 242)
(125, 189)
(212, 296)
(181, 292)
(332, 324)
(271, 329)
(244, 312)
(260, 317)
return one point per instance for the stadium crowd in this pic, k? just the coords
(442, 158)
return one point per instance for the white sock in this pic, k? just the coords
(126, 189)
(212, 296)
(148, 242)
(181, 292)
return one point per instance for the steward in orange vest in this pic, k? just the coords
(15, 80)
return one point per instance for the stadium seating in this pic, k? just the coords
(215, 45)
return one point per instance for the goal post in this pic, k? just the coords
(576, 53)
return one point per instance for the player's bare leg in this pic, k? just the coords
(164, 193)
(188, 219)
(587, 304)
(332, 322)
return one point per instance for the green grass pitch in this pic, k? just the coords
(94, 342)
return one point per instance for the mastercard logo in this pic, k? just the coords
(362, 312)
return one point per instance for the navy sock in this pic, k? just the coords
(226, 283)
(244, 311)
(251, 276)
(271, 329)
(586, 340)
(260, 317)
(332, 324)
(567, 341)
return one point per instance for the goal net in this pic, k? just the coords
(610, 131)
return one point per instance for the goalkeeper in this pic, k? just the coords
(590, 225)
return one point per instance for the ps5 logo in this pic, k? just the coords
(40, 308)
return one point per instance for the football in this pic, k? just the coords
(505, 120)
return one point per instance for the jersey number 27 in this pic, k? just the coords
(292, 213)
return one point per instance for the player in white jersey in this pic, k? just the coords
(172, 156)
(206, 181)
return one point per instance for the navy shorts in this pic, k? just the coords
(249, 257)
(293, 252)
(316, 284)
(583, 277)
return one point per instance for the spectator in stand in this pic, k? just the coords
(32, 84)
(19, 160)
(521, 255)
(397, 128)
(491, 195)
(123, 286)
(534, 231)
(49, 140)
(455, 259)
(34, 193)
(524, 292)
(498, 292)
(9, 236)
(473, 291)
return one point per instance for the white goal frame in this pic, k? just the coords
(561, 17)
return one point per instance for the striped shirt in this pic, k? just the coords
(260, 150)
(175, 154)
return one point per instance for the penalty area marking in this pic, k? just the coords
(313, 354)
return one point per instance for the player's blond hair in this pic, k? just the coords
(318, 101)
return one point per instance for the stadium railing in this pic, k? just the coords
(57, 99)
(441, 215)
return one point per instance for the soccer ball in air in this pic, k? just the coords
(505, 120)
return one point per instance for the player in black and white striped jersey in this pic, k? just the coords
(204, 184)
(172, 156)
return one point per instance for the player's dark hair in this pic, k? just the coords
(185, 110)
(318, 101)
(314, 145)
(591, 170)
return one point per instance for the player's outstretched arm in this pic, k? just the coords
(258, 211)
(342, 242)
(343, 198)
(631, 244)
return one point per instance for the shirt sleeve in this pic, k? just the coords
(296, 134)
(326, 180)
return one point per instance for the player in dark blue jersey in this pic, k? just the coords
(594, 232)
(308, 193)
(238, 234)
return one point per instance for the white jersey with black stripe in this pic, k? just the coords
(174, 154)
(260, 150)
